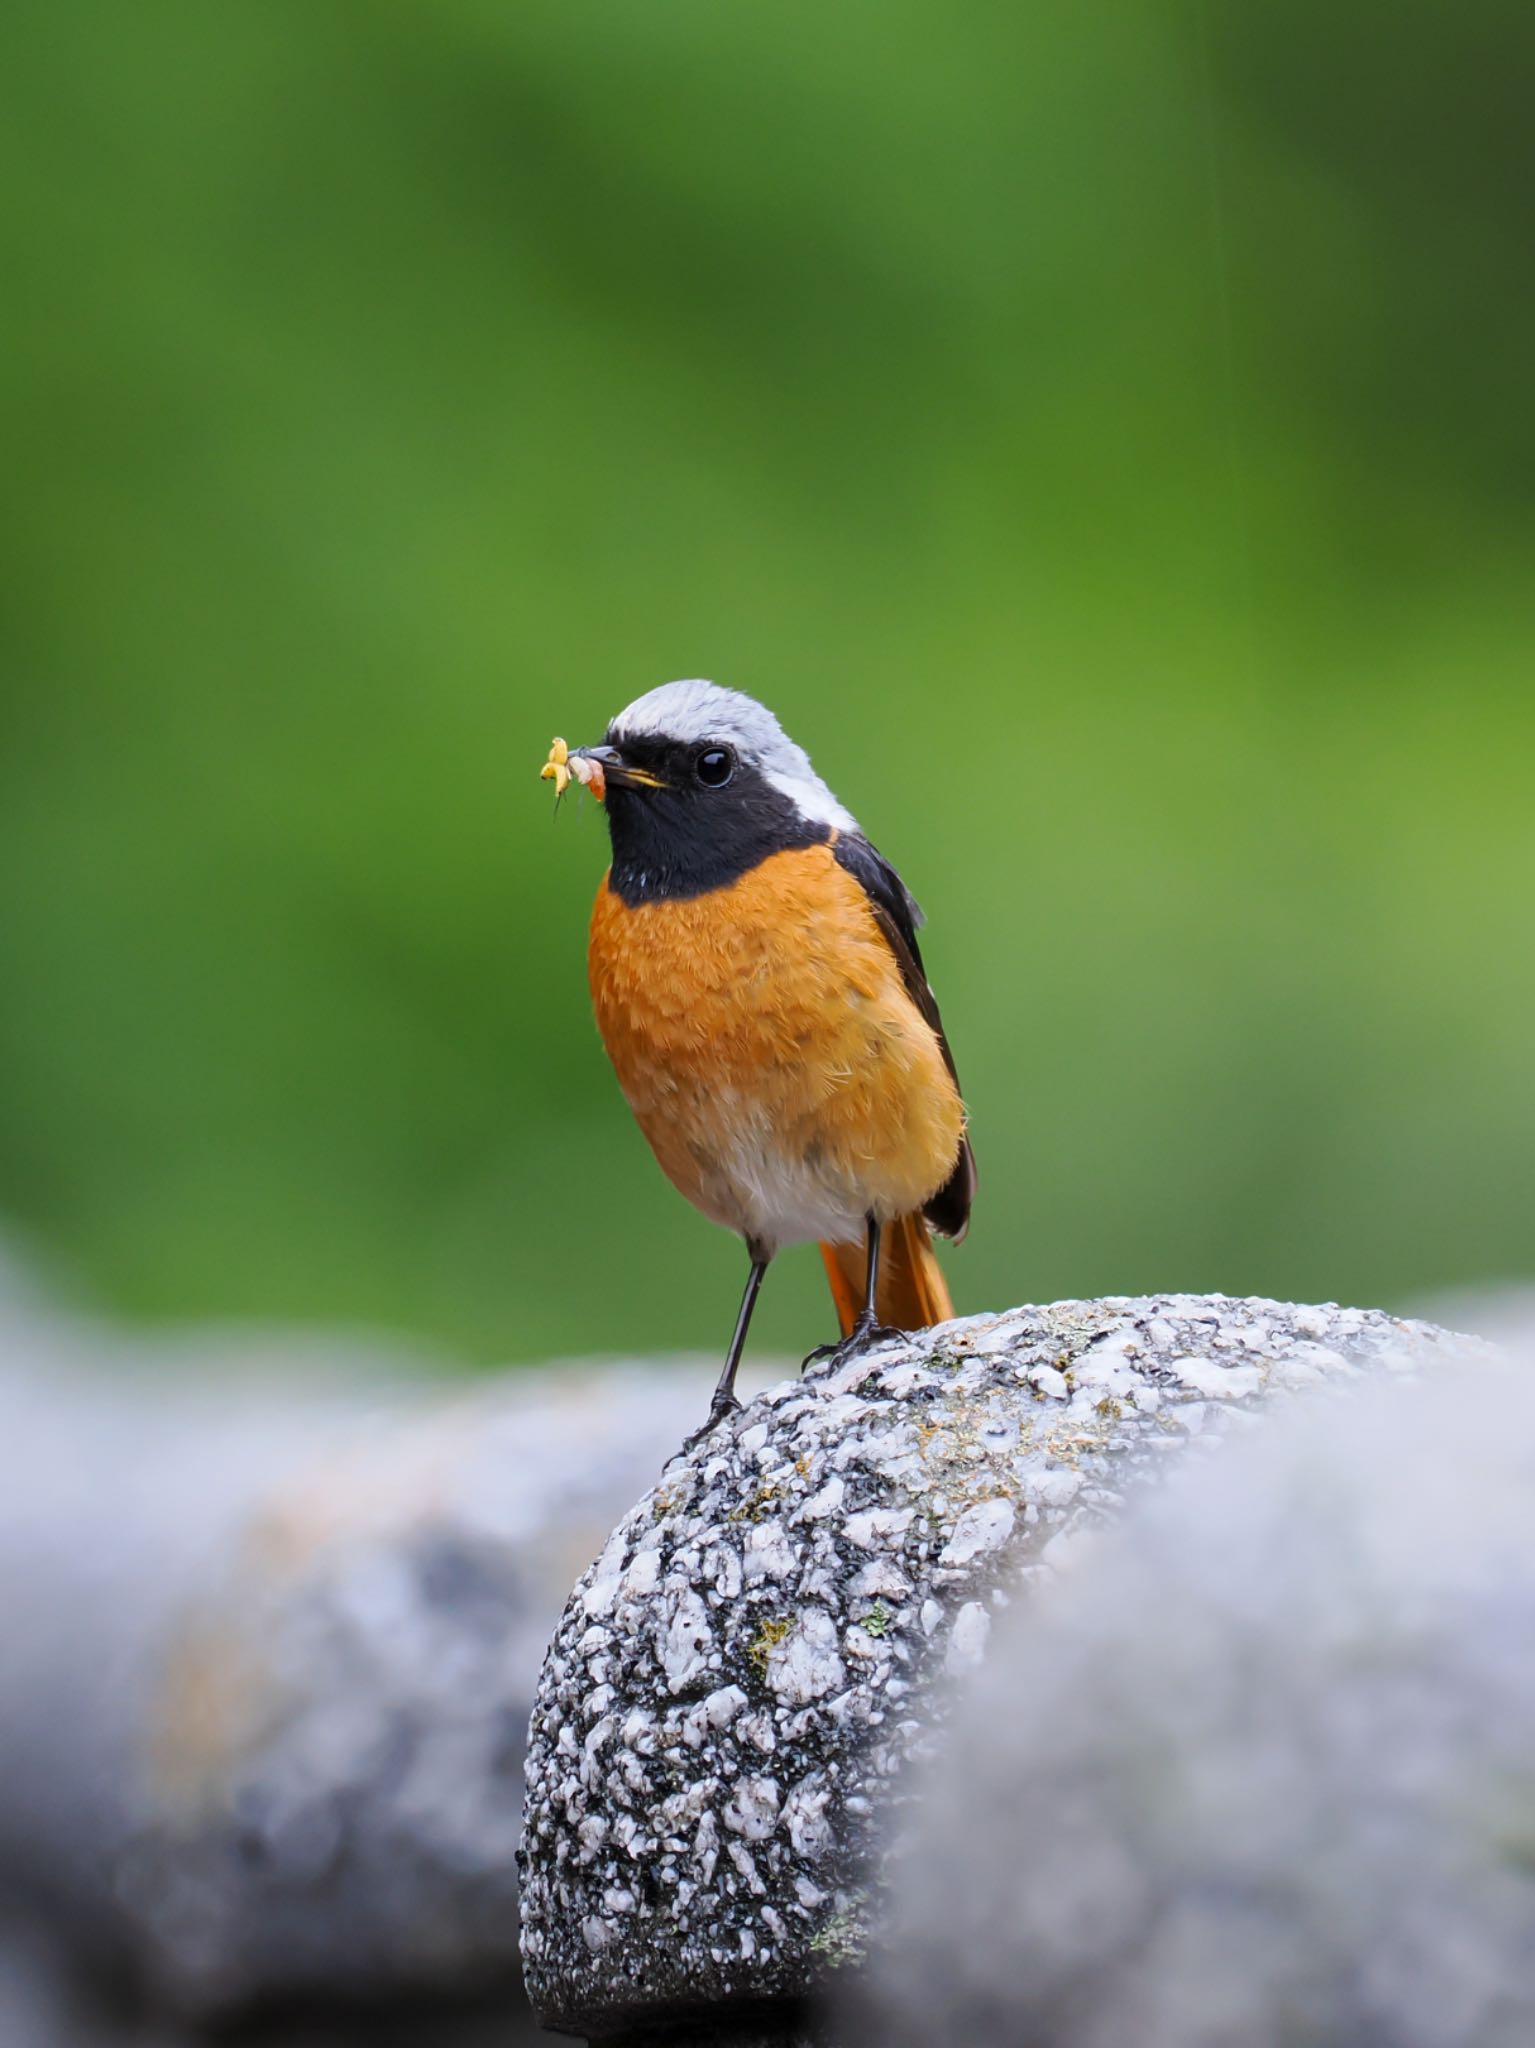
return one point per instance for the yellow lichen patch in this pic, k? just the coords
(1068, 1445)
(769, 1636)
(769, 1491)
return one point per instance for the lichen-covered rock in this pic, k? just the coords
(739, 1681)
(1258, 1769)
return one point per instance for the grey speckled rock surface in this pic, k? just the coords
(738, 1682)
(1274, 1737)
(328, 1782)
(272, 1622)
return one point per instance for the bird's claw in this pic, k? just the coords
(718, 1410)
(863, 1336)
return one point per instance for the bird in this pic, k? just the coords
(759, 989)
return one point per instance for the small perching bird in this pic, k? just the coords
(758, 986)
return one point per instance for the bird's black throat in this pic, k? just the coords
(687, 839)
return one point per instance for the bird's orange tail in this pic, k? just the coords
(912, 1290)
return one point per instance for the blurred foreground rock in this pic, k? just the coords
(1262, 1769)
(739, 1686)
(268, 1660)
(272, 1633)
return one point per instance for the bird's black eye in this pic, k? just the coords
(714, 766)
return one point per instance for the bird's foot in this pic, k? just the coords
(718, 1410)
(863, 1336)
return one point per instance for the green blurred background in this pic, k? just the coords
(1105, 437)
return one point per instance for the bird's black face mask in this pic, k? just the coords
(688, 817)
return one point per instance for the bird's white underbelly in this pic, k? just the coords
(773, 1193)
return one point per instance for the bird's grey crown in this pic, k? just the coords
(696, 711)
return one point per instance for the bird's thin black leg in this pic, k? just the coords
(871, 1272)
(868, 1329)
(725, 1393)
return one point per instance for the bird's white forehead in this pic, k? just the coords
(702, 711)
(696, 711)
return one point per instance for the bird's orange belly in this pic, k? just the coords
(787, 1083)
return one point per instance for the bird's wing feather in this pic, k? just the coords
(898, 916)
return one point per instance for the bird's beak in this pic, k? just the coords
(594, 768)
(614, 770)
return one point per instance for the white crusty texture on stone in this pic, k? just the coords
(737, 1681)
(1259, 1769)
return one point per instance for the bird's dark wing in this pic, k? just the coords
(898, 916)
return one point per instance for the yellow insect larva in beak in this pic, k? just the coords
(557, 768)
(563, 768)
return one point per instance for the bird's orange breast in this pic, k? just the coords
(762, 1035)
